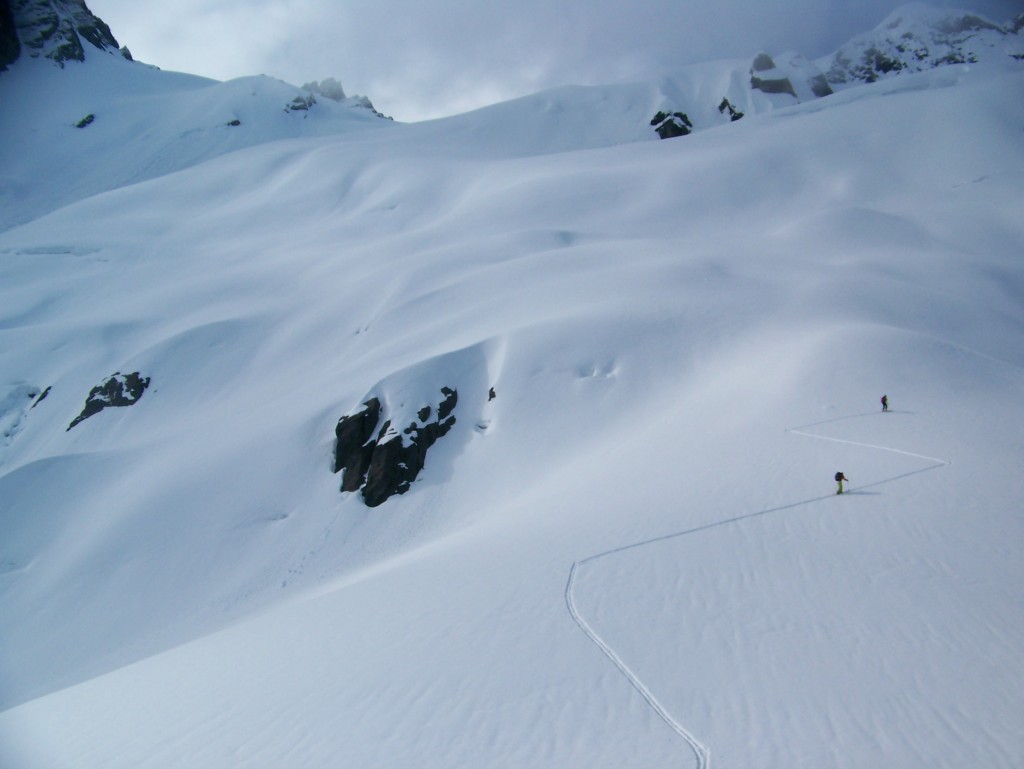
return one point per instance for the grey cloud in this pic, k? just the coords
(421, 58)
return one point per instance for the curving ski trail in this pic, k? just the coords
(699, 750)
(701, 753)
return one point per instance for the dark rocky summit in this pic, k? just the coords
(118, 390)
(52, 29)
(384, 462)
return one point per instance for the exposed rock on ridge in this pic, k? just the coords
(330, 88)
(385, 462)
(668, 126)
(118, 390)
(57, 30)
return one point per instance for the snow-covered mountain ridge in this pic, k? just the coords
(101, 101)
(624, 546)
(918, 37)
(112, 122)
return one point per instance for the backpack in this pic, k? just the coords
(839, 476)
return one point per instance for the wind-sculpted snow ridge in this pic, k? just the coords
(701, 752)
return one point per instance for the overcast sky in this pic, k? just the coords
(418, 59)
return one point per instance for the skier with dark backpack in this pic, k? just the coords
(839, 479)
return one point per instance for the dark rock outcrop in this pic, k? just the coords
(760, 80)
(353, 445)
(118, 390)
(10, 46)
(872, 64)
(819, 86)
(668, 125)
(301, 103)
(41, 397)
(385, 462)
(726, 108)
(59, 29)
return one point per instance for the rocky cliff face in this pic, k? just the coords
(53, 29)
(384, 462)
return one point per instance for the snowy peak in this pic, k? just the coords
(917, 37)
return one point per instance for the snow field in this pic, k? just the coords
(687, 339)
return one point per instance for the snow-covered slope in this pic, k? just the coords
(627, 551)
(109, 123)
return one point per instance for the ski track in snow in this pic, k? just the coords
(701, 753)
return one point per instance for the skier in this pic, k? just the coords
(885, 403)
(839, 479)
